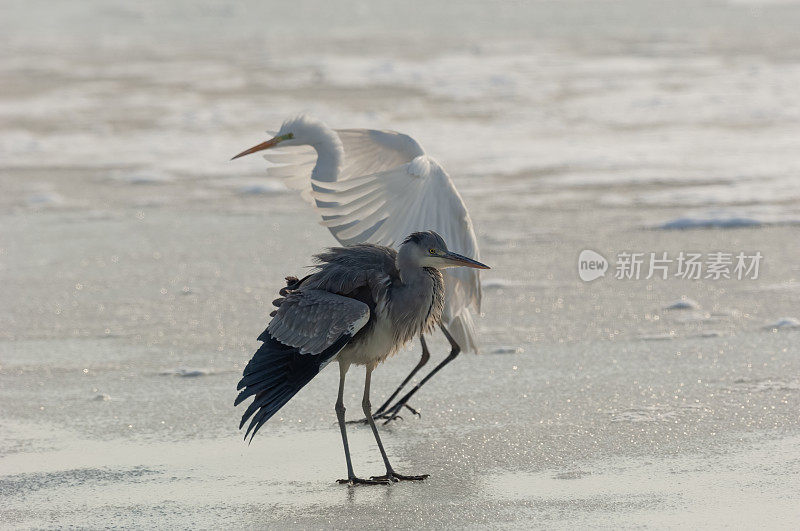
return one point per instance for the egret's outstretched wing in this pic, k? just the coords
(366, 151)
(384, 207)
(308, 331)
(293, 166)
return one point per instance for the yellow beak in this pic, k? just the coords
(264, 145)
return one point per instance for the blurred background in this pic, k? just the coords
(138, 264)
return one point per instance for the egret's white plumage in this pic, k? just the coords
(376, 187)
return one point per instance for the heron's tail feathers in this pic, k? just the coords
(462, 328)
(274, 375)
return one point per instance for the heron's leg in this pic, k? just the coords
(351, 477)
(380, 414)
(390, 475)
(455, 349)
(426, 355)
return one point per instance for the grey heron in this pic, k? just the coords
(358, 307)
(376, 187)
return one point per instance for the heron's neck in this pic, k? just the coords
(409, 267)
(418, 301)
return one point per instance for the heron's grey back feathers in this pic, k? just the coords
(312, 320)
(412, 306)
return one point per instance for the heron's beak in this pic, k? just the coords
(456, 259)
(264, 145)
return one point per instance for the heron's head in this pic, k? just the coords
(299, 131)
(428, 249)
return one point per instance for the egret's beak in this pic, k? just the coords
(265, 145)
(456, 259)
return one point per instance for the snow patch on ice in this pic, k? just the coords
(644, 414)
(43, 199)
(708, 334)
(142, 176)
(684, 303)
(709, 223)
(263, 188)
(187, 372)
(751, 385)
(784, 322)
(657, 337)
(495, 283)
(507, 350)
(733, 218)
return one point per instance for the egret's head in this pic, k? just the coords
(299, 131)
(428, 249)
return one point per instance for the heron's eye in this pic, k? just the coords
(432, 251)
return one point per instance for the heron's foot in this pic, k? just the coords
(395, 477)
(358, 481)
(393, 412)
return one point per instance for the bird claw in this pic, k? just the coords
(387, 416)
(358, 481)
(382, 416)
(394, 477)
(411, 409)
(392, 413)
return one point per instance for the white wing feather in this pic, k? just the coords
(388, 188)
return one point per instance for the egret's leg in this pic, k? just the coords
(455, 349)
(426, 355)
(351, 477)
(390, 475)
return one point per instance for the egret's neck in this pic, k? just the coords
(330, 153)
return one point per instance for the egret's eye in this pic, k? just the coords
(432, 251)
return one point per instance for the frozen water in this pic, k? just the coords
(138, 263)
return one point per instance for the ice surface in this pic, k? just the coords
(138, 264)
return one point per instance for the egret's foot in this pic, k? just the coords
(392, 413)
(387, 416)
(358, 481)
(411, 409)
(394, 477)
(382, 416)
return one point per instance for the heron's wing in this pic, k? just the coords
(385, 207)
(312, 320)
(309, 329)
